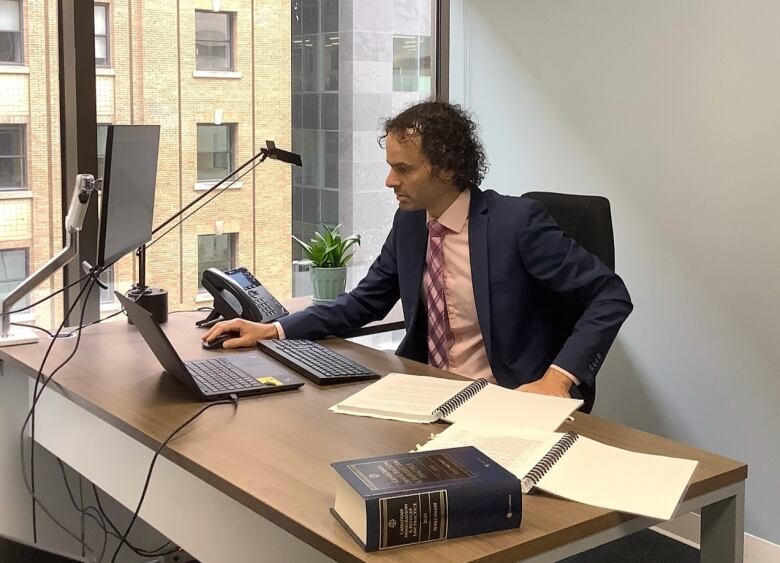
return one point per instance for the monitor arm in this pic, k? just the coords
(85, 185)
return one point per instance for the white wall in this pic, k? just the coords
(671, 109)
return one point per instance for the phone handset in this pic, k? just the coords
(238, 293)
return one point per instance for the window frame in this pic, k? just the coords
(21, 60)
(231, 127)
(230, 41)
(23, 156)
(107, 35)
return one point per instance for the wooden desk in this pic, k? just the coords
(255, 483)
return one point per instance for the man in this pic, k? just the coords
(478, 273)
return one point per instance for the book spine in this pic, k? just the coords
(449, 406)
(435, 514)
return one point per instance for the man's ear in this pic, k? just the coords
(444, 176)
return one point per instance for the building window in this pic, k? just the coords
(215, 151)
(107, 295)
(12, 149)
(216, 251)
(214, 40)
(13, 270)
(10, 31)
(101, 36)
(412, 63)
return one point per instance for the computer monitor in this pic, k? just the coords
(129, 178)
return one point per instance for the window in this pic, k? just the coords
(214, 40)
(215, 151)
(101, 36)
(12, 157)
(107, 295)
(102, 135)
(10, 31)
(216, 251)
(412, 64)
(13, 269)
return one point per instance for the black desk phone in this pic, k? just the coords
(237, 293)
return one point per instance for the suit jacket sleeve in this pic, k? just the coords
(371, 300)
(563, 266)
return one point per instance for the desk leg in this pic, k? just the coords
(723, 529)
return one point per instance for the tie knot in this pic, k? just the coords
(436, 229)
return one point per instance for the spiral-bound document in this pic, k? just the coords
(578, 468)
(418, 398)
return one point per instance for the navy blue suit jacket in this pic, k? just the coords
(541, 298)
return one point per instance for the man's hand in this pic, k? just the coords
(552, 383)
(248, 333)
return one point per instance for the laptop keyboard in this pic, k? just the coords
(315, 362)
(218, 375)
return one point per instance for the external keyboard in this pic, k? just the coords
(220, 376)
(315, 362)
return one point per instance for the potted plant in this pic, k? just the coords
(327, 257)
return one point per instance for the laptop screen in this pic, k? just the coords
(156, 340)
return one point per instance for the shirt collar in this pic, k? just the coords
(454, 217)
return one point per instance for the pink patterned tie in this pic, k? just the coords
(438, 323)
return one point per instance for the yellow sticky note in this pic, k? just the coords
(269, 381)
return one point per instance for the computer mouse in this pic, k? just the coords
(216, 344)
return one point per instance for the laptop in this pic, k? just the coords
(248, 373)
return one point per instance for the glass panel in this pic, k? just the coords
(214, 151)
(12, 157)
(310, 154)
(11, 173)
(212, 40)
(11, 140)
(216, 251)
(330, 208)
(311, 111)
(102, 133)
(101, 50)
(296, 54)
(297, 111)
(13, 269)
(330, 15)
(311, 205)
(330, 111)
(107, 295)
(310, 16)
(405, 63)
(425, 85)
(309, 63)
(100, 20)
(9, 15)
(297, 18)
(10, 47)
(330, 63)
(332, 160)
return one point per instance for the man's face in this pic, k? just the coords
(411, 176)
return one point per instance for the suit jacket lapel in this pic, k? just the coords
(415, 260)
(478, 257)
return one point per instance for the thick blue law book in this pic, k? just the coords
(402, 499)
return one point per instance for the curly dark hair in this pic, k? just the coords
(449, 139)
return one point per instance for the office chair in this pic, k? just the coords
(588, 220)
(585, 218)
